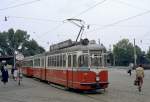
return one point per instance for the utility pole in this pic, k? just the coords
(135, 56)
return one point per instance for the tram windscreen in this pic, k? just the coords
(96, 61)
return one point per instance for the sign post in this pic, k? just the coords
(19, 57)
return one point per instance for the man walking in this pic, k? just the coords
(139, 76)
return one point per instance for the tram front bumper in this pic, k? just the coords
(96, 85)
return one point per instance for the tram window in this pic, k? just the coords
(64, 60)
(57, 61)
(69, 61)
(61, 60)
(83, 61)
(52, 61)
(30, 63)
(96, 61)
(74, 61)
(48, 61)
(37, 62)
(42, 62)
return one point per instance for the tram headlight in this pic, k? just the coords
(97, 78)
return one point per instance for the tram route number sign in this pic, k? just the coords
(19, 57)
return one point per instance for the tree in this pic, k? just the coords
(31, 48)
(124, 52)
(148, 55)
(19, 41)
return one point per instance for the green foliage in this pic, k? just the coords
(148, 54)
(30, 47)
(124, 52)
(18, 41)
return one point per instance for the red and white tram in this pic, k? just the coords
(27, 68)
(72, 65)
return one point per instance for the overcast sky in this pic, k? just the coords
(109, 20)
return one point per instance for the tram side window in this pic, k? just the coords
(55, 63)
(37, 62)
(69, 61)
(42, 62)
(83, 61)
(57, 60)
(74, 61)
(61, 60)
(30, 63)
(48, 61)
(64, 60)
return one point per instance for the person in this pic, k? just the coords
(139, 76)
(15, 74)
(12, 72)
(130, 69)
(5, 74)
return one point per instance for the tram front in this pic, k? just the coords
(92, 64)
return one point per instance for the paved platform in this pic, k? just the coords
(121, 89)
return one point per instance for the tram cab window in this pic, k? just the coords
(96, 61)
(83, 61)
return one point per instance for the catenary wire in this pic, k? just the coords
(18, 5)
(122, 20)
(86, 10)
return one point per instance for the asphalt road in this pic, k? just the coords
(121, 89)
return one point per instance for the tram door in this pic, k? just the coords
(71, 76)
(69, 71)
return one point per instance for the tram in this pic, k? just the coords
(76, 65)
(27, 68)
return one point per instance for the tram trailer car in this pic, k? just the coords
(73, 66)
(27, 67)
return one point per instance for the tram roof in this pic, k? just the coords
(78, 48)
(70, 49)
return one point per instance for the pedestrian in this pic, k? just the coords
(12, 72)
(15, 74)
(139, 76)
(5, 74)
(130, 69)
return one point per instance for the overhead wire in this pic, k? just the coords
(130, 5)
(86, 10)
(51, 30)
(18, 5)
(33, 18)
(122, 20)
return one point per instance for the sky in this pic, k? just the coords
(109, 20)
